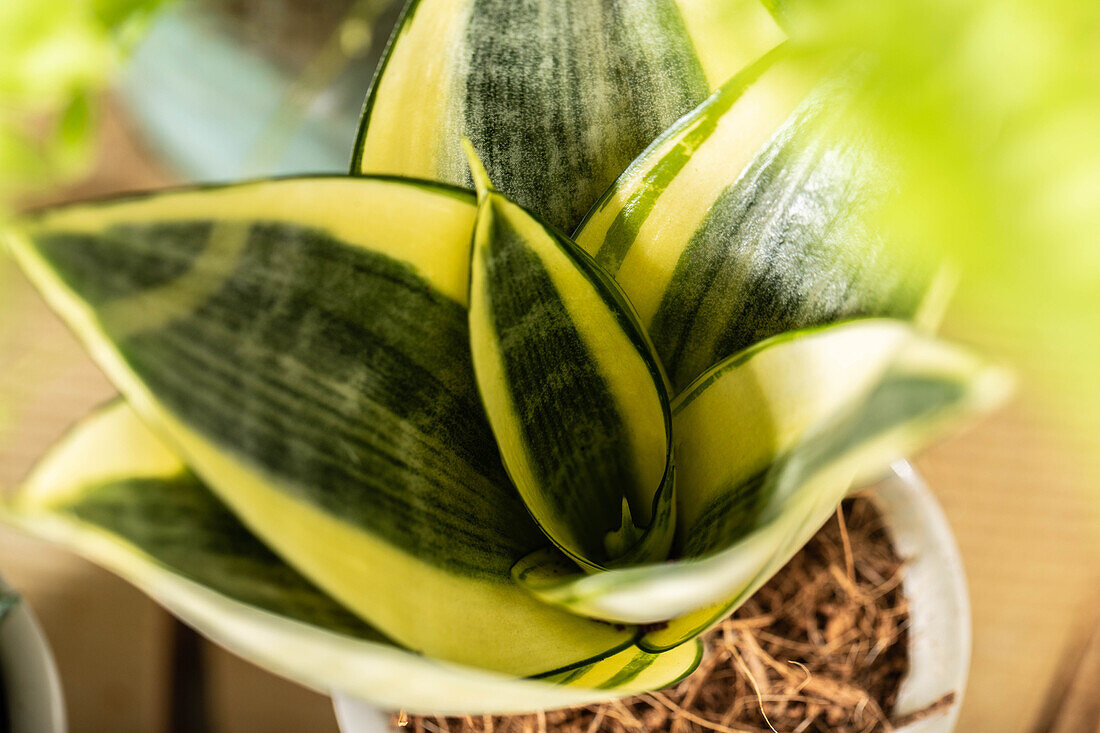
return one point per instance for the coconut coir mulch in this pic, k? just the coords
(822, 647)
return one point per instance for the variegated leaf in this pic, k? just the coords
(303, 345)
(572, 389)
(558, 96)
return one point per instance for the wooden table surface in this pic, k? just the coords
(1018, 491)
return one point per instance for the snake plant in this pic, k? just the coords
(412, 442)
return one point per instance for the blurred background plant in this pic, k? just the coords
(994, 106)
(994, 109)
(55, 58)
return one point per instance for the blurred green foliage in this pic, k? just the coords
(994, 109)
(55, 55)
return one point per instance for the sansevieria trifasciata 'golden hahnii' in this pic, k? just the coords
(594, 337)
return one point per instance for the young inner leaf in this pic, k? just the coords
(574, 396)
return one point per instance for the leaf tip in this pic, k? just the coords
(626, 537)
(482, 184)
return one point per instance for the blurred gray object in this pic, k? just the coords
(229, 89)
(32, 689)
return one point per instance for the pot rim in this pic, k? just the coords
(935, 586)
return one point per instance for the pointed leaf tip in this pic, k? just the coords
(567, 379)
(482, 184)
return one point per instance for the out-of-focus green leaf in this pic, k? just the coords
(8, 601)
(994, 108)
(55, 56)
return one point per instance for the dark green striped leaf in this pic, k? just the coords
(572, 389)
(303, 344)
(752, 217)
(558, 96)
(115, 493)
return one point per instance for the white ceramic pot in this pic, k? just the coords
(939, 604)
(939, 609)
(32, 686)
